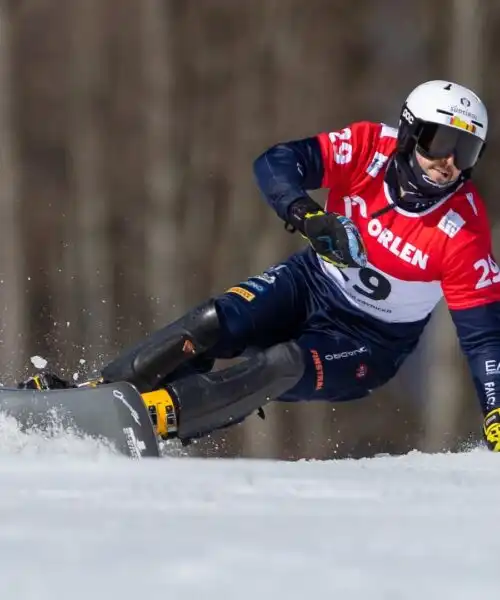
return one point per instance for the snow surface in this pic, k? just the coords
(80, 522)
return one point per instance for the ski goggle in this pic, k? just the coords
(440, 141)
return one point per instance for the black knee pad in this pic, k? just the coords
(150, 361)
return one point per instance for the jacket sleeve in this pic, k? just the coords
(286, 171)
(478, 330)
(337, 160)
(471, 286)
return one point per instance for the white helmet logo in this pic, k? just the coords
(408, 116)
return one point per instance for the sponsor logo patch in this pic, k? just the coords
(254, 285)
(451, 223)
(463, 110)
(408, 116)
(457, 121)
(492, 367)
(377, 163)
(346, 354)
(239, 291)
(490, 392)
(320, 374)
(361, 371)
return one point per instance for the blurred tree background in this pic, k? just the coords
(127, 134)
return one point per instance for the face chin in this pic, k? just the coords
(442, 176)
(441, 172)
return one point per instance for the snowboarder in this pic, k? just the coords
(403, 226)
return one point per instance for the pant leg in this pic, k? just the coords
(295, 300)
(258, 313)
(339, 367)
(264, 310)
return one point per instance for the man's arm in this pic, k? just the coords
(284, 174)
(479, 334)
(286, 171)
(471, 286)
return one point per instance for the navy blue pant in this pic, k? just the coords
(346, 353)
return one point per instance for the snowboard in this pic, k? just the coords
(113, 412)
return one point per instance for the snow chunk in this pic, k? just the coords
(38, 362)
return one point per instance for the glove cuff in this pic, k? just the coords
(300, 209)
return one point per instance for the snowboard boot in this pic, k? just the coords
(199, 404)
(162, 412)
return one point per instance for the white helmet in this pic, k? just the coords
(441, 118)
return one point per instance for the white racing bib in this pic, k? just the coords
(383, 296)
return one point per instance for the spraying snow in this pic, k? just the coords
(56, 442)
